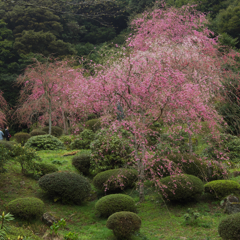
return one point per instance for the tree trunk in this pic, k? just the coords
(50, 116)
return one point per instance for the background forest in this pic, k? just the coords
(60, 29)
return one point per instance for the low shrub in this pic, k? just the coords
(22, 137)
(44, 142)
(222, 188)
(82, 162)
(26, 208)
(124, 224)
(4, 157)
(25, 157)
(116, 179)
(56, 131)
(37, 133)
(45, 168)
(112, 203)
(65, 186)
(84, 140)
(109, 151)
(93, 124)
(181, 187)
(229, 227)
(7, 145)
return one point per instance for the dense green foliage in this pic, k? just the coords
(84, 140)
(65, 186)
(229, 227)
(56, 131)
(15, 232)
(93, 124)
(22, 137)
(109, 151)
(112, 203)
(124, 224)
(27, 208)
(25, 156)
(82, 162)
(222, 188)
(181, 187)
(4, 156)
(67, 140)
(116, 179)
(44, 142)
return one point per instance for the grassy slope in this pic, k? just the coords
(159, 221)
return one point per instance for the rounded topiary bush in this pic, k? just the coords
(229, 227)
(45, 168)
(26, 208)
(9, 146)
(115, 179)
(93, 124)
(14, 233)
(181, 187)
(44, 142)
(37, 132)
(84, 140)
(124, 224)
(56, 131)
(65, 186)
(222, 188)
(82, 162)
(22, 137)
(112, 203)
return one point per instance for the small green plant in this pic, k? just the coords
(191, 217)
(4, 229)
(71, 236)
(56, 226)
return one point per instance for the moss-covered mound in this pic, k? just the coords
(26, 208)
(65, 186)
(115, 179)
(82, 162)
(181, 187)
(44, 142)
(229, 228)
(124, 224)
(222, 188)
(110, 204)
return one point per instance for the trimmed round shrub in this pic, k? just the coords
(115, 179)
(93, 124)
(229, 227)
(65, 186)
(44, 142)
(222, 188)
(181, 187)
(7, 144)
(84, 140)
(109, 151)
(37, 133)
(45, 168)
(124, 224)
(82, 162)
(26, 208)
(110, 204)
(22, 137)
(67, 140)
(56, 131)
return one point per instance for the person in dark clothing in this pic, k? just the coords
(7, 134)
